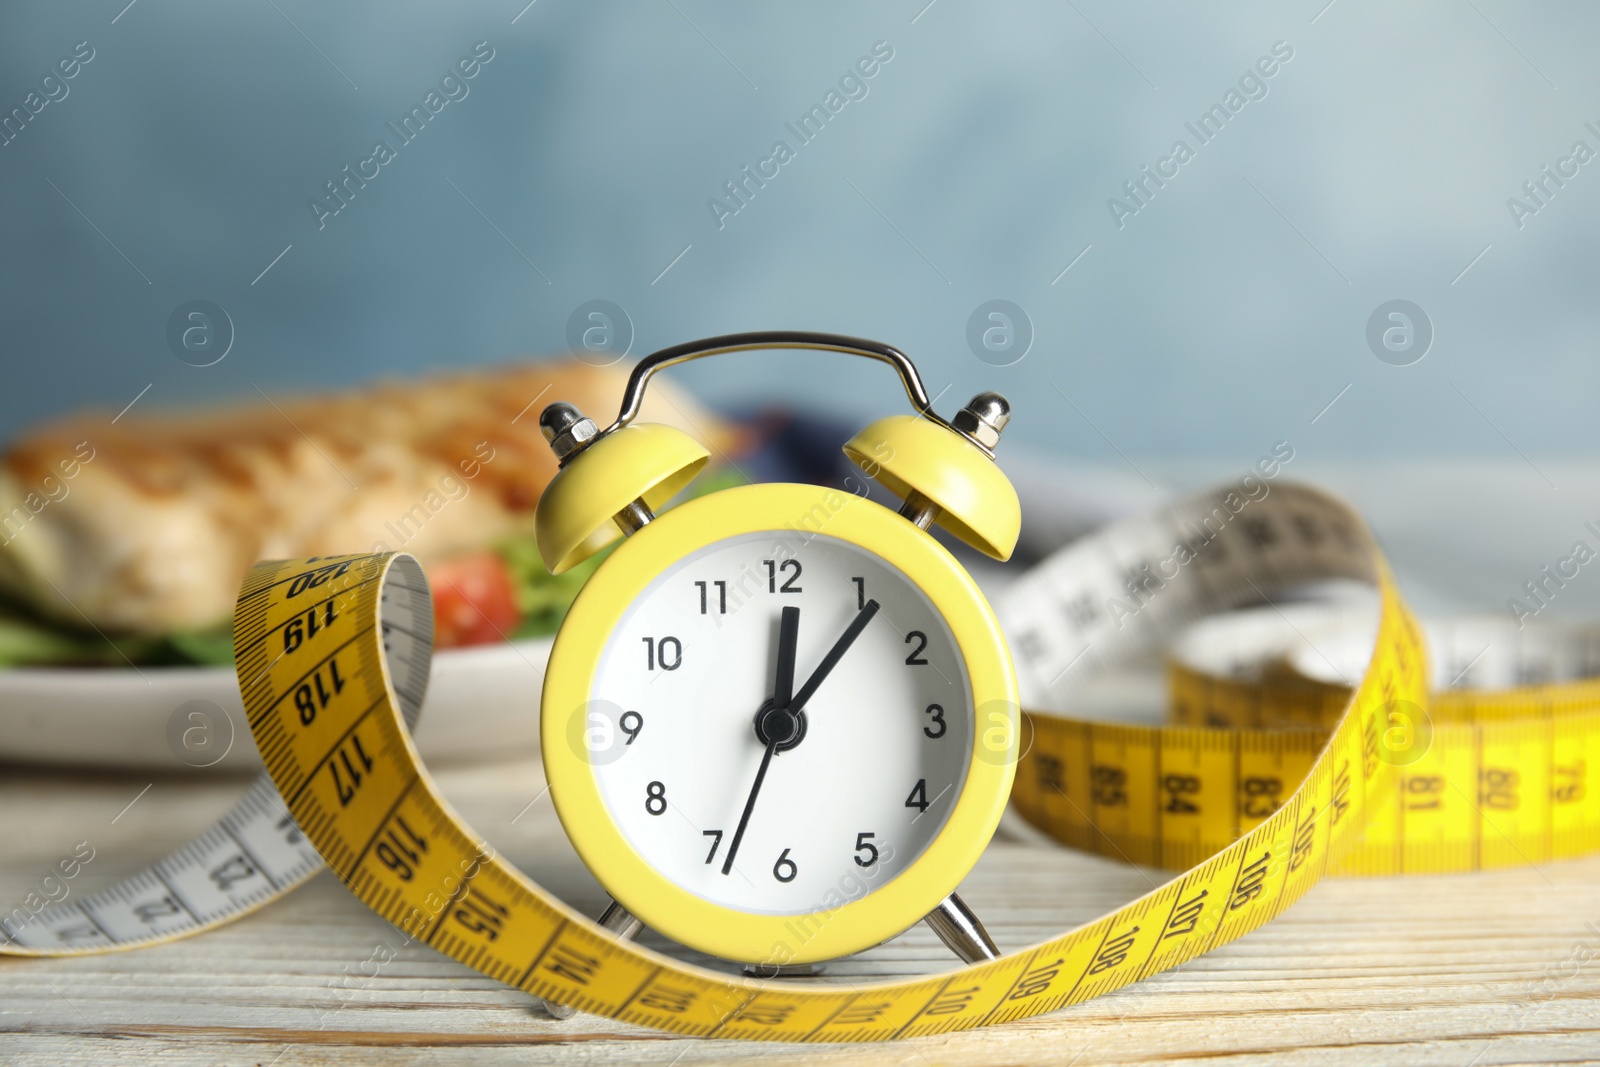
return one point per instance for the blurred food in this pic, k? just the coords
(474, 601)
(127, 541)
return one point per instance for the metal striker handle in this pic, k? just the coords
(633, 395)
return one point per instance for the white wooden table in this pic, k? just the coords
(1476, 969)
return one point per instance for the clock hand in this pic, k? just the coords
(788, 634)
(749, 806)
(771, 722)
(782, 690)
(835, 654)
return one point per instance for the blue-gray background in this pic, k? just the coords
(1227, 314)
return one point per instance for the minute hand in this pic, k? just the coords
(835, 654)
(791, 620)
(782, 692)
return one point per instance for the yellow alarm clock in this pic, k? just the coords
(780, 721)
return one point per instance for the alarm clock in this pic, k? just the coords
(779, 722)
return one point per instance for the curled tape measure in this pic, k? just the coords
(1276, 774)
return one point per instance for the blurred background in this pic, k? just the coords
(968, 201)
(1180, 237)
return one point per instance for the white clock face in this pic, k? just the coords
(888, 728)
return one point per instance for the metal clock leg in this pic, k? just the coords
(619, 921)
(783, 970)
(961, 931)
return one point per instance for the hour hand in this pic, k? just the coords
(788, 636)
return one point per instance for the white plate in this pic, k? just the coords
(482, 701)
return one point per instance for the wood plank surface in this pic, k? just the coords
(1496, 968)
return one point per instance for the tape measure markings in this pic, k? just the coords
(1319, 799)
(253, 854)
(179, 895)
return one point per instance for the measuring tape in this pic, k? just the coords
(1275, 774)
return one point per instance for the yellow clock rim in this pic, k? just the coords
(674, 911)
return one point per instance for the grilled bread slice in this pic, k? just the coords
(147, 526)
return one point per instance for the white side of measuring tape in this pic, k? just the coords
(252, 856)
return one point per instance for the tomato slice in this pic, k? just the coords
(474, 600)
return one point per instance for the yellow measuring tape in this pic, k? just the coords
(1274, 775)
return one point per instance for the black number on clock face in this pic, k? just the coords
(668, 652)
(722, 596)
(655, 798)
(790, 567)
(631, 723)
(919, 796)
(785, 870)
(864, 845)
(938, 720)
(916, 658)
